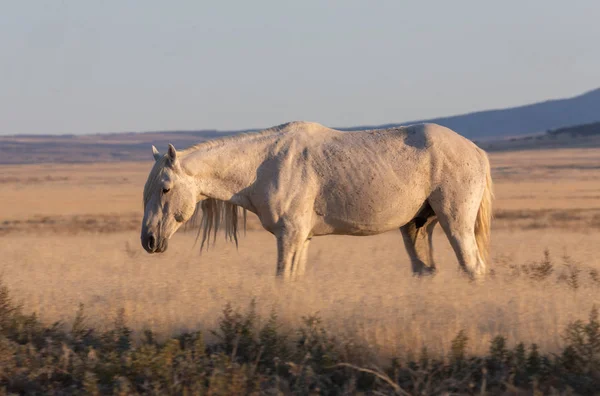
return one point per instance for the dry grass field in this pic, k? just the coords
(69, 234)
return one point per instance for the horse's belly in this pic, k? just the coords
(369, 202)
(365, 223)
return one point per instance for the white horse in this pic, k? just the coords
(303, 179)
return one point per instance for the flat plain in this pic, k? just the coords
(69, 234)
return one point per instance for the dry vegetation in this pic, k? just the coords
(69, 235)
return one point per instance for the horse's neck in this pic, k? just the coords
(226, 171)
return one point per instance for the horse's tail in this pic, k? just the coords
(483, 222)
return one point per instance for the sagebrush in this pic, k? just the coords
(252, 355)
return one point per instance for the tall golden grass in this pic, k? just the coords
(361, 286)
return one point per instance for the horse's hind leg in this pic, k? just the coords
(418, 238)
(457, 211)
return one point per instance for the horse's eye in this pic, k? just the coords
(166, 190)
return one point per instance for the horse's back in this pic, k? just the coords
(405, 150)
(417, 137)
(402, 155)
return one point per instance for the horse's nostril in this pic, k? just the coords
(151, 242)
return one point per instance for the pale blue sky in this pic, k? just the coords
(109, 66)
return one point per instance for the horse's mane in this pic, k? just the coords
(240, 137)
(211, 215)
(154, 178)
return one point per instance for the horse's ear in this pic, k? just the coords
(155, 153)
(172, 153)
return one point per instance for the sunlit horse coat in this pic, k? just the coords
(304, 180)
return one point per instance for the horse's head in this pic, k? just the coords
(170, 197)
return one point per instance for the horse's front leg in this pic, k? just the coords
(299, 264)
(290, 245)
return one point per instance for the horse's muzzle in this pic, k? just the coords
(154, 245)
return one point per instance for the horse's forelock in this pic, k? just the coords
(154, 178)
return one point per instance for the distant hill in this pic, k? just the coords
(571, 122)
(578, 136)
(520, 120)
(130, 146)
(577, 131)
